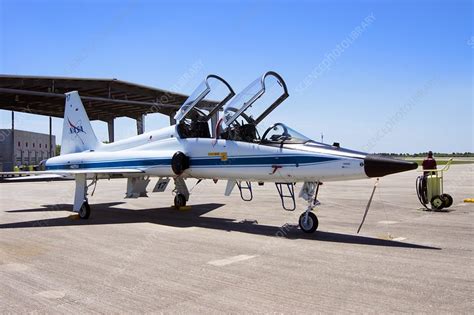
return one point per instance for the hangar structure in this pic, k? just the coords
(103, 99)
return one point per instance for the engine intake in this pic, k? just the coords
(179, 163)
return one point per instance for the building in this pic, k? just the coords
(103, 99)
(29, 148)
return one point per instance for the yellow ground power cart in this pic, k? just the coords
(429, 188)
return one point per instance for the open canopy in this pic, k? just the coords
(245, 105)
(212, 87)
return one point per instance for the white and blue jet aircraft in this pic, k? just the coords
(233, 151)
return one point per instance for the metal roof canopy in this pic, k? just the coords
(103, 99)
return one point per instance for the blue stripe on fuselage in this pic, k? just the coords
(199, 162)
(111, 164)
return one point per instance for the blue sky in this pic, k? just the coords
(404, 84)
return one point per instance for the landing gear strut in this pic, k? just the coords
(81, 205)
(308, 221)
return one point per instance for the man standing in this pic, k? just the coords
(429, 163)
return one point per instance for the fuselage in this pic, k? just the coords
(220, 159)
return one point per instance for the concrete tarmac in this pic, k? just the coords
(225, 255)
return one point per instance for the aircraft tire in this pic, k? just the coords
(85, 211)
(311, 226)
(179, 201)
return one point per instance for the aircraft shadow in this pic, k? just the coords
(61, 207)
(105, 213)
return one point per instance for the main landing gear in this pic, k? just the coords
(81, 204)
(182, 193)
(179, 200)
(85, 210)
(180, 163)
(308, 221)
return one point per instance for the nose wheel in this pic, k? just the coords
(308, 222)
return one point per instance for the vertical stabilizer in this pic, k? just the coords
(78, 135)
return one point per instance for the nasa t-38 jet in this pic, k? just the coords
(233, 151)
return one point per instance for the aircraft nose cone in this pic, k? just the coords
(376, 166)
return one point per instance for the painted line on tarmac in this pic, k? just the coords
(13, 267)
(387, 222)
(52, 295)
(230, 260)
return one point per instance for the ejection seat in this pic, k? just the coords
(246, 133)
(200, 129)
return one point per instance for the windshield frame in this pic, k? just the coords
(295, 136)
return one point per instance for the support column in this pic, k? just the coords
(214, 120)
(13, 142)
(141, 124)
(110, 127)
(51, 137)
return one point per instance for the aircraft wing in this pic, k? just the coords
(78, 171)
(97, 171)
(66, 174)
(42, 177)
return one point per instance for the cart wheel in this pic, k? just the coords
(437, 202)
(447, 200)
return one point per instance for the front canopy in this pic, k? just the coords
(209, 96)
(256, 101)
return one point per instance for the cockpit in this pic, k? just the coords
(248, 108)
(242, 113)
(194, 115)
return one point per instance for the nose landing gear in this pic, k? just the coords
(308, 221)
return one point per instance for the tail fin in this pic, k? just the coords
(78, 135)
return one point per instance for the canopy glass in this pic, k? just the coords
(257, 100)
(206, 99)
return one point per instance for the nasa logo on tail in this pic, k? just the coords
(75, 129)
